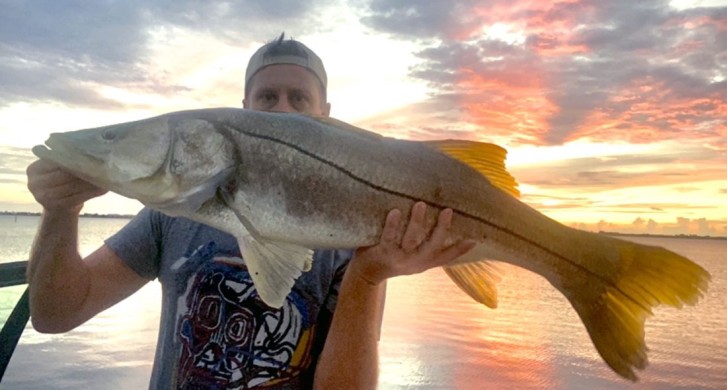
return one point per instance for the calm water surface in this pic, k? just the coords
(434, 337)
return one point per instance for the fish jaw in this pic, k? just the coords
(90, 167)
(60, 149)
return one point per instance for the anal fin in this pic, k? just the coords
(477, 279)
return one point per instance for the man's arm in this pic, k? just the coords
(66, 290)
(349, 359)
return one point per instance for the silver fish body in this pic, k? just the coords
(284, 184)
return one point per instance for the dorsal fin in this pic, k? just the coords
(487, 159)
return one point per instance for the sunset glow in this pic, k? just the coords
(614, 113)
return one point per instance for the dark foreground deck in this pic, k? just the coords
(13, 274)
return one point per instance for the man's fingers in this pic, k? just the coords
(416, 231)
(441, 230)
(456, 250)
(415, 250)
(87, 190)
(391, 226)
(48, 181)
(82, 197)
(70, 189)
(41, 167)
(437, 249)
(68, 196)
(57, 189)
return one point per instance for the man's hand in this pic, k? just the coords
(57, 190)
(417, 252)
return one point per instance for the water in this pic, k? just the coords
(114, 350)
(433, 336)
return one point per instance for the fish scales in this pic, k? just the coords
(298, 173)
(283, 184)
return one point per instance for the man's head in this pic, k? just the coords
(285, 75)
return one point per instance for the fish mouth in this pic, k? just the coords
(61, 150)
(63, 153)
(78, 161)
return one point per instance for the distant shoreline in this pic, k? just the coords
(128, 216)
(84, 215)
(693, 236)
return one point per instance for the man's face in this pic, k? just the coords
(286, 88)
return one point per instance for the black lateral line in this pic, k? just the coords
(435, 204)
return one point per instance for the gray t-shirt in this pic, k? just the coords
(214, 331)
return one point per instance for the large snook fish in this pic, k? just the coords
(283, 184)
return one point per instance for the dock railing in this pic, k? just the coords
(13, 274)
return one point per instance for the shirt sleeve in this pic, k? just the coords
(138, 243)
(341, 260)
(340, 264)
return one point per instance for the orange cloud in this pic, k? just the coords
(506, 102)
(647, 110)
(548, 72)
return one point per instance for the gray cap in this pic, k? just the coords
(281, 51)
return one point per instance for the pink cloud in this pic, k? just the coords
(633, 71)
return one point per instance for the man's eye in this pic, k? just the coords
(299, 99)
(267, 97)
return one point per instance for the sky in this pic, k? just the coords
(613, 112)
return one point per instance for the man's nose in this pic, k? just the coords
(283, 105)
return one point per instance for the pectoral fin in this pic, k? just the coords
(274, 266)
(478, 280)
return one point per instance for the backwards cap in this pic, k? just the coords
(281, 51)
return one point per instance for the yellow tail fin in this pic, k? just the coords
(614, 311)
(613, 295)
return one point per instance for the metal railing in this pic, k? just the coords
(13, 274)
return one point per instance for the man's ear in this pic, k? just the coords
(326, 109)
(244, 103)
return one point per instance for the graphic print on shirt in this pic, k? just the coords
(229, 338)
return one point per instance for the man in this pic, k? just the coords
(215, 331)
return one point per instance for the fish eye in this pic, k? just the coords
(108, 135)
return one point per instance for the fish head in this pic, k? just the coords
(166, 160)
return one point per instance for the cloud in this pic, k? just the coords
(539, 72)
(55, 51)
(14, 161)
(624, 171)
(686, 189)
(555, 202)
(699, 226)
(556, 71)
(679, 226)
(11, 181)
(416, 19)
(63, 52)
